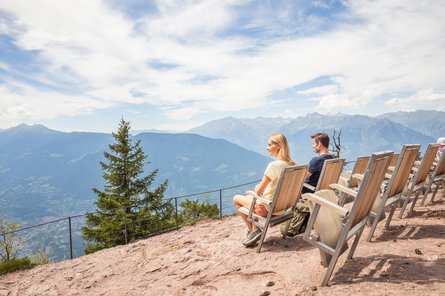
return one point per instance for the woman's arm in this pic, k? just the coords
(259, 188)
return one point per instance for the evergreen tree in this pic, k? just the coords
(127, 209)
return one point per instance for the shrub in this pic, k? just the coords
(15, 264)
(40, 256)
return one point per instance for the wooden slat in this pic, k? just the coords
(368, 191)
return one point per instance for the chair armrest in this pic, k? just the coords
(308, 186)
(326, 203)
(260, 198)
(344, 189)
(358, 176)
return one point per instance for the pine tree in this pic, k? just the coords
(127, 209)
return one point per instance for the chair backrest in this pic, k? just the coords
(330, 173)
(440, 168)
(359, 168)
(370, 186)
(289, 187)
(426, 163)
(394, 159)
(402, 169)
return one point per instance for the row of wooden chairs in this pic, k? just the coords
(376, 182)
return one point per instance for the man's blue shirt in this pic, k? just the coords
(315, 166)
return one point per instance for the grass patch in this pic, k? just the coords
(15, 264)
(40, 256)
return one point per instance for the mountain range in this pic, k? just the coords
(360, 135)
(47, 174)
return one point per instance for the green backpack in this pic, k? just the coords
(298, 222)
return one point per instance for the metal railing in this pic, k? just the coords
(72, 244)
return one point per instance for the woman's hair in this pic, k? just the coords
(283, 153)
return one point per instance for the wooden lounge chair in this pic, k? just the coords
(394, 188)
(391, 167)
(352, 179)
(417, 183)
(330, 173)
(359, 168)
(437, 177)
(286, 196)
(331, 233)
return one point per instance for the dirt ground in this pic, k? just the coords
(208, 258)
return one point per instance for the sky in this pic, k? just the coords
(82, 65)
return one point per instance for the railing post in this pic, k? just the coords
(71, 238)
(220, 203)
(6, 248)
(176, 212)
(125, 221)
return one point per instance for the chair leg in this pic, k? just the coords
(376, 220)
(427, 190)
(263, 235)
(330, 269)
(287, 228)
(413, 204)
(405, 203)
(434, 193)
(388, 220)
(355, 243)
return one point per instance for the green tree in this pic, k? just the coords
(128, 208)
(192, 211)
(10, 241)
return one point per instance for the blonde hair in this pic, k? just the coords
(283, 153)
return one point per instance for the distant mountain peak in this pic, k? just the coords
(27, 128)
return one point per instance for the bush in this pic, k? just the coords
(193, 211)
(15, 264)
(40, 256)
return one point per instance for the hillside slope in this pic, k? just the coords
(209, 259)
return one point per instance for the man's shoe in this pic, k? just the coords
(253, 237)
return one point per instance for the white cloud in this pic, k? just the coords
(380, 47)
(24, 101)
(423, 97)
(320, 90)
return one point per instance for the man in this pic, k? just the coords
(320, 143)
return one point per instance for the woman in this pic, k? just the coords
(278, 147)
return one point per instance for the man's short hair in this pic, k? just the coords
(321, 137)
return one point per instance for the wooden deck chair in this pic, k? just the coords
(437, 177)
(286, 196)
(330, 226)
(417, 183)
(359, 168)
(394, 188)
(392, 165)
(330, 173)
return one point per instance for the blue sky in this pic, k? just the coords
(82, 65)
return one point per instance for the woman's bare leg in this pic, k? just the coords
(244, 201)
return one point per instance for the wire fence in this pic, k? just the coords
(62, 238)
